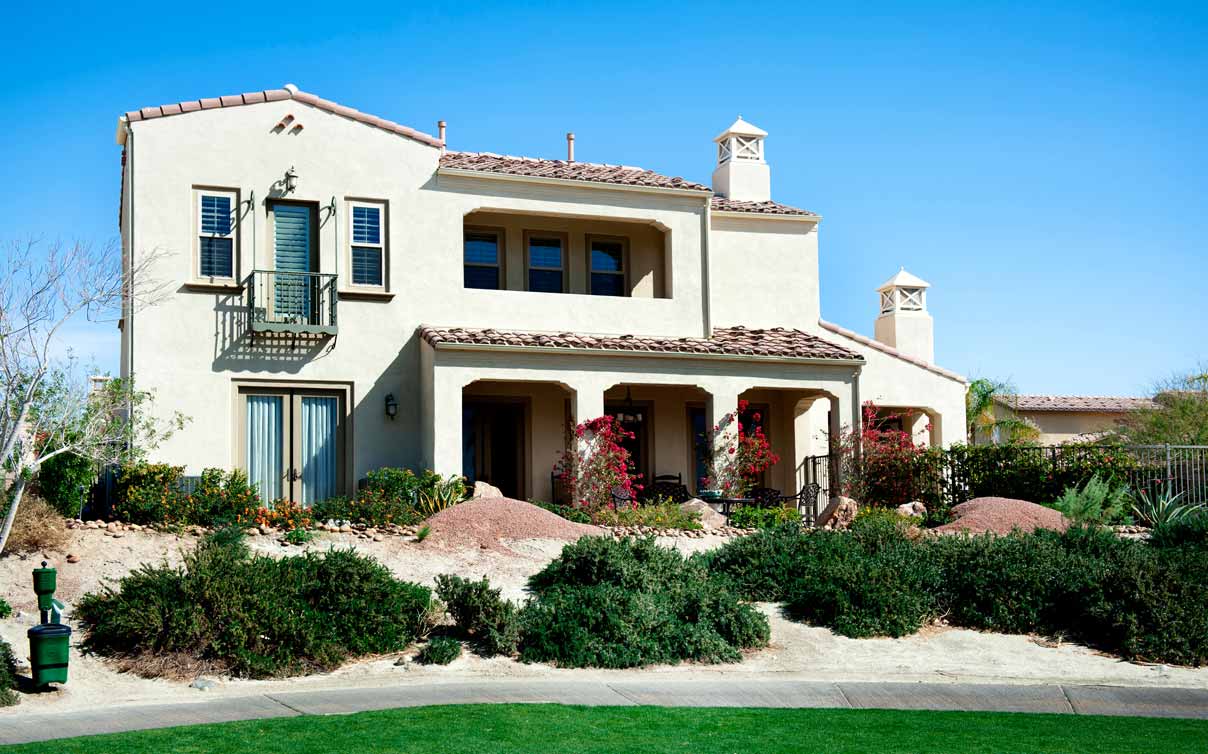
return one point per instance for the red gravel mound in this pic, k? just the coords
(1001, 515)
(485, 522)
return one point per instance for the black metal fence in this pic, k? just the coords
(1040, 474)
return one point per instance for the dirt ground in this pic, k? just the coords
(797, 652)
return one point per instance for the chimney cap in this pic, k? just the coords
(904, 279)
(741, 128)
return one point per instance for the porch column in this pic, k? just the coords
(588, 403)
(721, 401)
(445, 430)
(835, 435)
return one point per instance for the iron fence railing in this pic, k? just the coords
(292, 302)
(955, 475)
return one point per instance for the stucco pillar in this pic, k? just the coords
(446, 425)
(588, 403)
(721, 401)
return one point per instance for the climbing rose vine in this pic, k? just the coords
(595, 464)
(880, 466)
(738, 457)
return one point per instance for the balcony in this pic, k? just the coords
(291, 302)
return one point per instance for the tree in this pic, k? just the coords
(982, 416)
(1179, 415)
(49, 407)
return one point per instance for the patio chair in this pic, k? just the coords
(621, 496)
(666, 487)
(807, 502)
(765, 497)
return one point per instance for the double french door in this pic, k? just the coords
(293, 443)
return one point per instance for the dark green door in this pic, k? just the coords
(292, 240)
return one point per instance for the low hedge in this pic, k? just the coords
(1141, 601)
(255, 616)
(626, 603)
(8, 675)
(480, 614)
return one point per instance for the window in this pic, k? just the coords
(607, 267)
(292, 441)
(216, 234)
(481, 254)
(545, 263)
(368, 252)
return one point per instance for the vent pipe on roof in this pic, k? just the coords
(570, 147)
(440, 132)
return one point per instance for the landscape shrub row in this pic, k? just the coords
(8, 675)
(253, 615)
(1142, 601)
(661, 514)
(154, 494)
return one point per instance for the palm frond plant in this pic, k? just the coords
(984, 419)
(1097, 502)
(1163, 507)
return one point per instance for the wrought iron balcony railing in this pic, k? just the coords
(291, 302)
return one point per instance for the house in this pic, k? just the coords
(349, 294)
(1069, 418)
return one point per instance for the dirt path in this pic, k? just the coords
(797, 652)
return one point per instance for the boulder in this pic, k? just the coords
(484, 490)
(709, 518)
(839, 514)
(912, 509)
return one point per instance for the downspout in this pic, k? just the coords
(706, 289)
(130, 291)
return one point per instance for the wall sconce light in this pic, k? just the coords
(391, 406)
(291, 180)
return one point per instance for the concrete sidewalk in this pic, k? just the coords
(1062, 699)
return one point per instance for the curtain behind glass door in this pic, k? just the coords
(318, 446)
(265, 440)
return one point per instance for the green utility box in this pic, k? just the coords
(50, 641)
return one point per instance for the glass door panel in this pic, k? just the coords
(265, 442)
(318, 445)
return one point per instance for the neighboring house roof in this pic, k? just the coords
(275, 95)
(722, 204)
(1099, 404)
(890, 350)
(488, 162)
(777, 342)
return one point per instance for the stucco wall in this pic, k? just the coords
(1059, 427)
(763, 273)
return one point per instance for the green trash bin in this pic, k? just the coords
(48, 649)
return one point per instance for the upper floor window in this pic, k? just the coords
(607, 267)
(368, 245)
(216, 234)
(482, 252)
(546, 263)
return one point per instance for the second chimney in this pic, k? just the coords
(570, 147)
(440, 131)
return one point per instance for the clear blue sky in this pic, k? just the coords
(1045, 169)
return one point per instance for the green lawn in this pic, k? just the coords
(536, 729)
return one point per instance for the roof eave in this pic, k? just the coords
(766, 215)
(538, 179)
(494, 347)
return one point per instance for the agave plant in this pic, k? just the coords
(443, 494)
(1163, 507)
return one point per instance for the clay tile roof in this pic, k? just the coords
(1092, 403)
(722, 204)
(625, 175)
(274, 95)
(729, 341)
(890, 350)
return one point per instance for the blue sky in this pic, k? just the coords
(1044, 168)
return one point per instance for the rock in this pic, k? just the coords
(265, 530)
(482, 489)
(709, 518)
(203, 684)
(913, 509)
(839, 514)
(251, 531)
(345, 528)
(73, 558)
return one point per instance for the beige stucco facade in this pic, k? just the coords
(1060, 427)
(688, 270)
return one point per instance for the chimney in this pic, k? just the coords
(440, 132)
(904, 323)
(742, 173)
(570, 146)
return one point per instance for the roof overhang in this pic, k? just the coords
(766, 216)
(612, 352)
(489, 175)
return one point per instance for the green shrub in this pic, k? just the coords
(1097, 501)
(440, 650)
(441, 494)
(8, 675)
(255, 616)
(393, 496)
(64, 481)
(869, 582)
(569, 512)
(627, 603)
(1188, 530)
(657, 515)
(750, 517)
(6, 610)
(760, 566)
(221, 498)
(299, 536)
(481, 614)
(149, 493)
